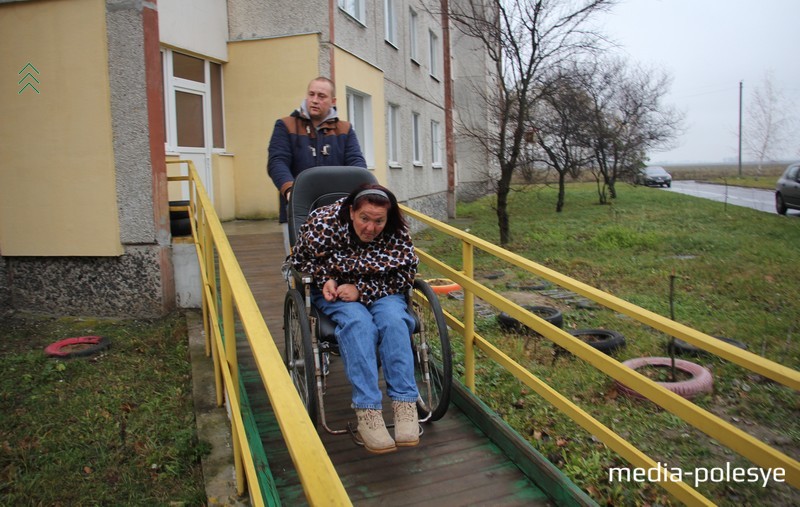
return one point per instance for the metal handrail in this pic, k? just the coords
(320, 481)
(723, 432)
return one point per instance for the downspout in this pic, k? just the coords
(331, 12)
(448, 113)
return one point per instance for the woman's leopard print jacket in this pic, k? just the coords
(329, 249)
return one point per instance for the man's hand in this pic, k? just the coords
(348, 292)
(329, 290)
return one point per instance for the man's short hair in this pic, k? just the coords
(326, 80)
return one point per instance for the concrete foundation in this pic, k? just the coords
(130, 285)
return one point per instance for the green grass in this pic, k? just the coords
(115, 428)
(735, 275)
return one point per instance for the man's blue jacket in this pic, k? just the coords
(296, 145)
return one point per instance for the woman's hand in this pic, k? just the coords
(329, 290)
(348, 292)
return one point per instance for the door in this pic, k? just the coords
(193, 109)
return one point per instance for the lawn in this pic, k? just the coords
(735, 275)
(114, 428)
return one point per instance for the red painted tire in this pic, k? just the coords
(77, 347)
(443, 285)
(701, 381)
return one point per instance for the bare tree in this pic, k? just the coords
(628, 118)
(523, 39)
(770, 124)
(563, 115)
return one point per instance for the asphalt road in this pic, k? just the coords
(762, 200)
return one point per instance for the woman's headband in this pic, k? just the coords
(371, 191)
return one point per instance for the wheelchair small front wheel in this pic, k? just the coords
(299, 352)
(433, 363)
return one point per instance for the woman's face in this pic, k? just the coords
(369, 221)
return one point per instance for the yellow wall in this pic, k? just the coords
(355, 73)
(222, 167)
(264, 80)
(57, 175)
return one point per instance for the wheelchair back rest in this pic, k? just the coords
(320, 186)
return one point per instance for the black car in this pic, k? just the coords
(787, 190)
(653, 175)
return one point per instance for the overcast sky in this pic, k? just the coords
(708, 47)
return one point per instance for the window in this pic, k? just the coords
(359, 113)
(393, 131)
(436, 144)
(391, 22)
(194, 113)
(354, 8)
(415, 140)
(189, 119)
(434, 56)
(412, 35)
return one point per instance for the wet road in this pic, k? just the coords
(762, 200)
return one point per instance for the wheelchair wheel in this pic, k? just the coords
(299, 351)
(434, 375)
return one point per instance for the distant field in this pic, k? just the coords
(721, 171)
(752, 176)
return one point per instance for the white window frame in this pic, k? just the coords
(174, 84)
(390, 22)
(436, 144)
(393, 131)
(413, 26)
(416, 140)
(359, 114)
(433, 44)
(355, 9)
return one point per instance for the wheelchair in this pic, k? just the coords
(309, 333)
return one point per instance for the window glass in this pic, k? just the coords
(354, 8)
(391, 29)
(412, 34)
(394, 134)
(436, 144)
(416, 148)
(217, 123)
(189, 119)
(188, 67)
(434, 56)
(359, 113)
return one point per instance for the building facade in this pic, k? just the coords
(123, 85)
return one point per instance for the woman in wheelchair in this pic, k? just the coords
(360, 254)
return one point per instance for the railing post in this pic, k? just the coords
(469, 318)
(229, 337)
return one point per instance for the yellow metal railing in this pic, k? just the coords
(232, 297)
(723, 432)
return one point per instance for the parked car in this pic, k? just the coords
(787, 190)
(653, 175)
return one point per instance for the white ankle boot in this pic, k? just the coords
(372, 431)
(406, 423)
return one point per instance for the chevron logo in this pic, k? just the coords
(28, 78)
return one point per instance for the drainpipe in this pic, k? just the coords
(331, 12)
(448, 113)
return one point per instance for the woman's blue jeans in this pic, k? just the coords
(365, 332)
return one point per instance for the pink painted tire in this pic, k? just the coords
(701, 381)
(81, 346)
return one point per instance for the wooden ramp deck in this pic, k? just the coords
(455, 463)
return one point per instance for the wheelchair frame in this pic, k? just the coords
(429, 342)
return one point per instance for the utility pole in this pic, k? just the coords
(740, 128)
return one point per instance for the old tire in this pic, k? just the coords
(80, 346)
(546, 313)
(701, 380)
(603, 340)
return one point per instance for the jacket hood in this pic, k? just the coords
(302, 112)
